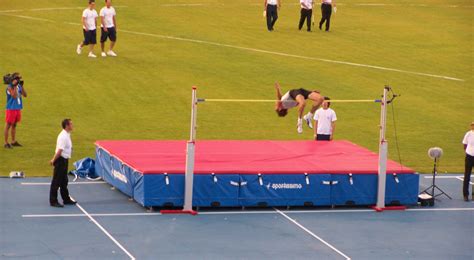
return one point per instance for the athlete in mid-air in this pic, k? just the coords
(297, 98)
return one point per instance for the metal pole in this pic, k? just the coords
(383, 152)
(190, 149)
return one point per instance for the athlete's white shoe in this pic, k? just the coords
(308, 121)
(300, 126)
(91, 55)
(78, 49)
(112, 53)
(103, 54)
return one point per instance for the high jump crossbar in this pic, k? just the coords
(200, 100)
(383, 146)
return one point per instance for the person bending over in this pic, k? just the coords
(297, 98)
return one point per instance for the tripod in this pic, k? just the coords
(434, 186)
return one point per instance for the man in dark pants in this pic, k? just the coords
(60, 162)
(326, 10)
(271, 10)
(306, 14)
(468, 143)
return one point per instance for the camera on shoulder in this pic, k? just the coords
(10, 77)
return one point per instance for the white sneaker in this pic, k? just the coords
(111, 53)
(300, 126)
(103, 54)
(78, 49)
(92, 55)
(308, 121)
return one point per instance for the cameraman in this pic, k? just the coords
(15, 91)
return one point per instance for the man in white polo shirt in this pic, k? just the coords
(89, 26)
(60, 160)
(306, 13)
(108, 27)
(271, 10)
(324, 122)
(326, 10)
(468, 142)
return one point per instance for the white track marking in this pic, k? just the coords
(70, 183)
(312, 234)
(105, 232)
(293, 55)
(445, 177)
(27, 17)
(462, 179)
(274, 53)
(239, 212)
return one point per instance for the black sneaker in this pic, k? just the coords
(466, 198)
(8, 146)
(56, 204)
(70, 202)
(16, 144)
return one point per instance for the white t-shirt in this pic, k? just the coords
(308, 3)
(108, 14)
(272, 2)
(325, 117)
(287, 101)
(469, 141)
(64, 143)
(327, 1)
(90, 16)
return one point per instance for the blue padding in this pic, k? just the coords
(362, 191)
(283, 190)
(218, 190)
(405, 192)
(158, 193)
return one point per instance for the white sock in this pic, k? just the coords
(309, 115)
(300, 121)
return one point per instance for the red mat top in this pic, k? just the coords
(250, 157)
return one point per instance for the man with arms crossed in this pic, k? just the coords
(297, 98)
(468, 143)
(60, 162)
(108, 27)
(89, 26)
(15, 91)
(324, 122)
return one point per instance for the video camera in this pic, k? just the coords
(9, 78)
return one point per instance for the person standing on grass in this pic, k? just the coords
(60, 160)
(324, 122)
(271, 10)
(306, 14)
(15, 91)
(89, 26)
(326, 10)
(468, 143)
(108, 27)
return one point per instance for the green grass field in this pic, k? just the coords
(145, 92)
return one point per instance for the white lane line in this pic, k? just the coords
(27, 17)
(236, 212)
(70, 183)
(274, 53)
(462, 179)
(52, 9)
(445, 177)
(312, 234)
(294, 55)
(105, 232)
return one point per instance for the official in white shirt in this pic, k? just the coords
(324, 122)
(60, 161)
(271, 10)
(108, 27)
(89, 26)
(468, 143)
(306, 14)
(326, 10)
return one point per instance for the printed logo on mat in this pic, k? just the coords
(284, 186)
(119, 176)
